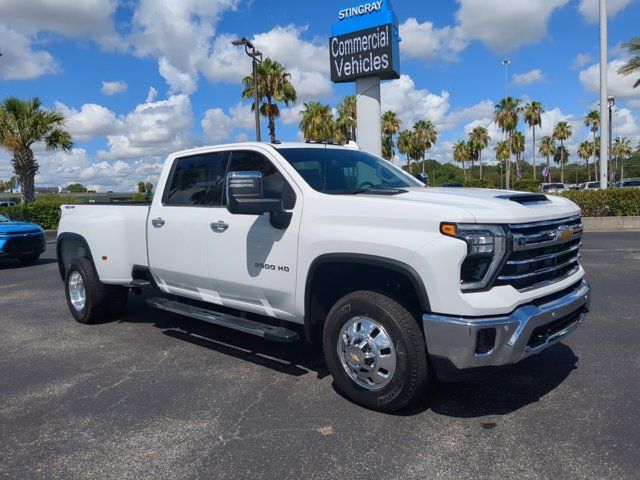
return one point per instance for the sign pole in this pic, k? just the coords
(604, 119)
(369, 128)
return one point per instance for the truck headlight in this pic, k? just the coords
(486, 246)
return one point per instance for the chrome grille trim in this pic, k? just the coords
(544, 257)
(541, 271)
(542, 253)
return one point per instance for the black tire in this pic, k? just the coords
(411, 372)
(117, 298)
(96, 296)
(28, 259)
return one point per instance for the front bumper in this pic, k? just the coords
(22, 244)
(454, 343)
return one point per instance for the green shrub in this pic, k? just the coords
(477, 183)
(613, 202)
(527, 185)
(45, 214)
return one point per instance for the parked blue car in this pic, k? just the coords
(22, 240)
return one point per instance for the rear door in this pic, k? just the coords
(179, 229)
(252, 264)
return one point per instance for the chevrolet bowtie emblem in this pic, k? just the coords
(354, 357)
(565, 234)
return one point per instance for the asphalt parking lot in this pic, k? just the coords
(155, 395)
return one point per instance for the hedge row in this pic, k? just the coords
(477, 183)
(613, 202)
(45, 214)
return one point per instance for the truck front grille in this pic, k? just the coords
(542, 253)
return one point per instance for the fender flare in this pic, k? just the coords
(71, 236)
(364, 259)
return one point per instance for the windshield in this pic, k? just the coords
(3, 218)
(342, 171)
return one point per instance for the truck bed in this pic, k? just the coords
(116, 233)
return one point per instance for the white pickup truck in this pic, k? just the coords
(400, 282)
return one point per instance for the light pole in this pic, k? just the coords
(506, 62)
(612, 171)
(256, 57)
(604, 119)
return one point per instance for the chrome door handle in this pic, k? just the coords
(219, 226)
(157, 222)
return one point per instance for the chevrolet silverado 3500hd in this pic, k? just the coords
(398, 281)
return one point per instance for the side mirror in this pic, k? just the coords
(245, 195)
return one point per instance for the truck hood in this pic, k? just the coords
(494, 206)
(18, 227)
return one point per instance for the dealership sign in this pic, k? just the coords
(365, 42)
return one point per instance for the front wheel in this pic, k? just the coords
(375, 351)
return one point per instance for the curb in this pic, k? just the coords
(611, 224)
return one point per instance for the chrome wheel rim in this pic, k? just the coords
(77, 293)
(367, 353)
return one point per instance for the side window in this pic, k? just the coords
(274, 184)
(197, 180)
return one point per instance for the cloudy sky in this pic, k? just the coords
(139, 79)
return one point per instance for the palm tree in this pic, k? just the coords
(633, 65)
(592, 120)
(533, 117)
(22, 124)
(561, 157)
(347, 117)
(390, 126)
(562, 131)
(461, 154)
(406, 145)
(547, 149)
(316, 122)
(584, 151)
(479, 139)
(273, 86)
(621, 150)
(425, 136)
(518, 144)
(502, 152)
(507, 116)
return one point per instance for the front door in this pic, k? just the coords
(179, 227)
(252, 264)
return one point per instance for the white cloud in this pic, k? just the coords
(179, 81)
(590, 9)
(581, 60)
(21, 61)
(216, 125)
(534, 76)
(307, 62)
(483, 109)
(91, 120)
(426, 42)
(89, 18)
(242, 137)
(618, 85)
(413, 104)
(504, 26)
(112, 88)
(291, 115)
(178, 33)
(625, 124)
(21, 21)
(154, 128)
